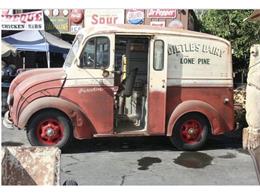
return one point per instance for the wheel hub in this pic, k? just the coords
(191, 131)
(50, 132)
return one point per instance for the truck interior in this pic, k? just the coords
(131, 70)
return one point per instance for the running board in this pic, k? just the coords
(125, 134)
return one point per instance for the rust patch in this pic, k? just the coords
(156, 112)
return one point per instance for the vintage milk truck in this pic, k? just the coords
(126, 80)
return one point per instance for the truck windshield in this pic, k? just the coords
(74, 49)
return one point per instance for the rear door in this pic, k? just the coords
(157, 85)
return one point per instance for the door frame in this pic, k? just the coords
(157, 91)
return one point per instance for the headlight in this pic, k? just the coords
(10, 100)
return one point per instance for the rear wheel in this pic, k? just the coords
(50, 128)
(190, 132)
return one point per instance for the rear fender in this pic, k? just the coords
(82, 127)
(217, 123)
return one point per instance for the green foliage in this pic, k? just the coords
(229, 25)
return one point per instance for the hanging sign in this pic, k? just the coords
(23, 21)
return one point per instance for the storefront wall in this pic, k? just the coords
(70, 21)
(158, 17)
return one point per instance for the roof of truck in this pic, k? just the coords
(146, 29)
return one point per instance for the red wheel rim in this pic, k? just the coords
(50, 132)
(191, 131)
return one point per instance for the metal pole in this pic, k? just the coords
(48, 59)
(47, 50)
(23, 63)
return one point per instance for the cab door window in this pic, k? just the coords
(96, 53)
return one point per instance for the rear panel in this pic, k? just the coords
(201, 69)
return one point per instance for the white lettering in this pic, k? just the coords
(89, 90)
(163, 13)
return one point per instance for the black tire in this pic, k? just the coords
(56, 122)
(182, 136)
(70, 182)
(4, 101)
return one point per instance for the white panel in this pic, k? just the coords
(198, 58)
(200, 82)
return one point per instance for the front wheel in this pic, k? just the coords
(50, 128)
(190, 132)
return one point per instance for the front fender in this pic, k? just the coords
(83, 129)
(217, 123)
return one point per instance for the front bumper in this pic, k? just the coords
(7, 122)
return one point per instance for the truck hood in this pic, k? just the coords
(30, 78)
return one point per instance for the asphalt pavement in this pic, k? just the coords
(150, 161)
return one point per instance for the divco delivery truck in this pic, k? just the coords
(126, 80)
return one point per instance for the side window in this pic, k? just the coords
(102, 55)
(158, 57)
(96, 53)
(89, 54)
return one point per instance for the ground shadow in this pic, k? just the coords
(162, 143)
(10, 143)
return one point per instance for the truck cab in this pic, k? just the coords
(126, 80)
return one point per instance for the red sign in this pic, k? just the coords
(23, 21)
(23, 18)
(76, 16)
(161, 13)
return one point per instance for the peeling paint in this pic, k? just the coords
(30, 165)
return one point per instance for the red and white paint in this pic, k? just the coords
(197, 77)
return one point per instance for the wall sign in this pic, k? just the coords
(59, 22)
(176, 24)
(55, 12)
(75, 28)
(65, 12)
(104, 16)
(76, 16)
(23, 21)
(135, 16)
(46, 12)
(6, 12)
(161, 13)
(158, 23)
